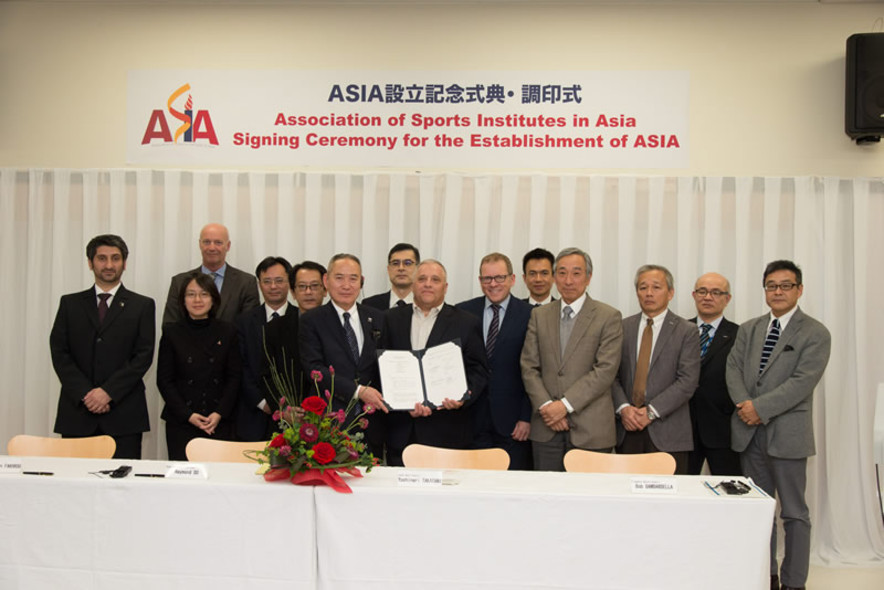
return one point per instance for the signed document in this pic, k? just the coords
(417, 376)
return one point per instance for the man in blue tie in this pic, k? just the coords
(711, 406)
(772, 371)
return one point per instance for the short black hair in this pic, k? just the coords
(272, 261)
(538, 254)
(106, 240)
(782, 265)
(306, 265)
(207, 284)
(402, 247)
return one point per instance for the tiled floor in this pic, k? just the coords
(824, 578)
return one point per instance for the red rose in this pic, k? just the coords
(277, 441)
(314, 404)
(308, 432)
(323, 453)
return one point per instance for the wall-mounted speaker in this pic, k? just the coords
(864, 101)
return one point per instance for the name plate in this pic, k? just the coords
(654, 485)
(187, 471)
(10, 465)
(418, 479)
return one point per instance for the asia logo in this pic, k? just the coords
(192, 129)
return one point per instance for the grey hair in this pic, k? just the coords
(578, 251)
(670, 282)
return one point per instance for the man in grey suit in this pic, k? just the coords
(775, 364)
(569, 360)
(659, 372)
(239, 290)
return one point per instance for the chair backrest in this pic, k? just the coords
(221, 451)
(581, 461)
(439, 458)
(91, 447)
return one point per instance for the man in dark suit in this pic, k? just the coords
(537, 272)
(711, 406)
(569, 361)
(772, 371)
(501, 418)
(267, 330)
(401, 264)
(102, 344)
(429, 321)
(305, 281)
(659, 372)
(343, 334)
(238, 290)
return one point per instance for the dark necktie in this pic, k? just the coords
(640, 384)
(769, 343)
(351, 338)
(401, 303)
(537, 304)
(102, 306)
(493, 329)
(705, 339)
(567, 324)
(274, 315)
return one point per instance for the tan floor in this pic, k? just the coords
(824, 578)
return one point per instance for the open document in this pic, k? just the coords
(417, 376)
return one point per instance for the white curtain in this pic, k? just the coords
(691, 225)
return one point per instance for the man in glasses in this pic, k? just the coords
(501, 419)
(711, 406)
(306, 282)
(402, 262)
(772, 371)
(270, 328)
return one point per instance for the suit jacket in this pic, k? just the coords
(506, 400)
(113, 355)
(673, 376)
(583, 374)
(783, 393)
(198, 369)
(711, 406)
(257, 340)
(239, 293)
(380, 301)
(444, 428)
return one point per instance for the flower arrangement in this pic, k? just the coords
(314, 444)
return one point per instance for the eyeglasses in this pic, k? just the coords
(277, 281)
(702, 292)
(197, 295)
(784, 287)
(304, 287)
(406, 263)
(499, 279)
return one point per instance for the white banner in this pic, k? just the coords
(550, 119)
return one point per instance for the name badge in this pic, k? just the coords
(654, 485)
(417, 479)
(187, 471)
(10, 465)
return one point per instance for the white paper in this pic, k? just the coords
(401, 379)
(444, 375)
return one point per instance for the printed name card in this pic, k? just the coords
(187, 471)
(654, 485)
(417, 479)
(10, 465)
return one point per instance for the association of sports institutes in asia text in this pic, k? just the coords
(417, 130)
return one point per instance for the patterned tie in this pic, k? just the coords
(566, 327)
(769, 343)
(102, 306)
(640, 384)
(493, 329)
(704, 339)
(273, 316)
(219, 280)
(351, 337)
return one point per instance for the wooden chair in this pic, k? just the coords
(580, 461)
(91, 447)
(439, 458)
(221, 451)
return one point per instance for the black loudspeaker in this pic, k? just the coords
(864, 101)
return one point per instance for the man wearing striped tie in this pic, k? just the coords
(772, 371)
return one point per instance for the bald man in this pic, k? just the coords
(239, 290)
(711, 405)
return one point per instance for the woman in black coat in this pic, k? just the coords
(198, 369)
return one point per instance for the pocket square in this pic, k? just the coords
(788, 348)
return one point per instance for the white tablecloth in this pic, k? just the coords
(75, 531)
(539, 530)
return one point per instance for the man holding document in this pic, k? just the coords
(443, 420)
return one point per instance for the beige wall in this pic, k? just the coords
(767, 80)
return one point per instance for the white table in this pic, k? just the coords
(76, 531)
(539, 530)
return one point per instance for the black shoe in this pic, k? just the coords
(791, 588)
(774, 582)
